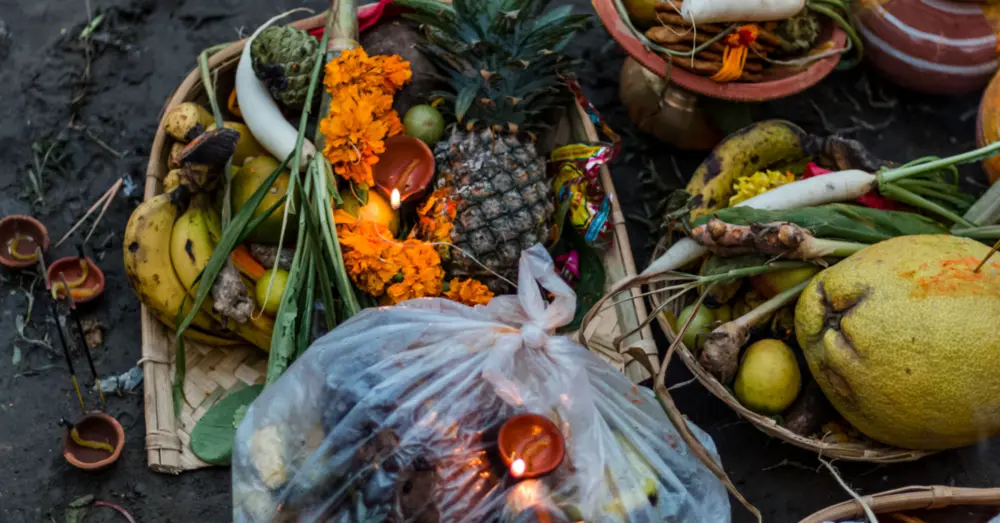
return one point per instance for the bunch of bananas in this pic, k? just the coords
(168, 243)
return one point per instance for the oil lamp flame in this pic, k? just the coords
(394, 199)
(518, 467)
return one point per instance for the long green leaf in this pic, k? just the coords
(305, 324)
(464, 100)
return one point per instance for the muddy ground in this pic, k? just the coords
(102, 119)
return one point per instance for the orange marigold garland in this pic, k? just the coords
(470, 292)
(361, 116)
(435, 220)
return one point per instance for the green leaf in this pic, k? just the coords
(560, 220)
(837, 221)
(464, 100)
(212, 437)
(76, 512)
(590, 288)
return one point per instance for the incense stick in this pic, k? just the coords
(69, 360)
(79, 328)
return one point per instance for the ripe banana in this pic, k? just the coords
(191, 246)
(147, 260)
(743, 153)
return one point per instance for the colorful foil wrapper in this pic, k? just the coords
(577, 170)
(568, 267)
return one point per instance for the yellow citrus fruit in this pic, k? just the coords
(246, 181)
(246, 147)
(377, 210)
(272, 302)
(769, 379)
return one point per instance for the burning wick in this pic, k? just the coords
(394, 199)
(518, 468)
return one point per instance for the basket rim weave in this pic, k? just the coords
(869, 451)
(909, 498)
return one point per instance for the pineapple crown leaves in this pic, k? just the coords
(502, 57)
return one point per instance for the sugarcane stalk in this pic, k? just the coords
(343, 35)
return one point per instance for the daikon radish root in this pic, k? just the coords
(261, 113)
(842, 186)
(712, 11)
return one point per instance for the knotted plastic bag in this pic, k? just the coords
(394, 416)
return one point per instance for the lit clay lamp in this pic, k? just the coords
(405, 170)
(531, 446)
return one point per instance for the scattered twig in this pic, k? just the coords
(847, 94)
(833, 471)
(107, 203)
(96, 139)
(789, 463)
(41, 160)
(677, 171)
(968, 115)
(104, 199)
(874, 127)
(886, 103)
(682, 384)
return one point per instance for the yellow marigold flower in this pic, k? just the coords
(470, 292)
(758, 183)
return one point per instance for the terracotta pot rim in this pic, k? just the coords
(53, 276)
(44, 244)
(96, 465)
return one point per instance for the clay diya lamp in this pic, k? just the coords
(84, 277)
(937, 47)
(404, 170)
(20, 238)
(531, 446)
(95, 429)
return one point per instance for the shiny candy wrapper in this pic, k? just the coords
(577, 170)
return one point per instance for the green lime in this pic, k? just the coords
(272, 302)
(700, 325)
(424, 123)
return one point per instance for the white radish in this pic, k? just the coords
(842, 186)
(711, 11)
(261, 112)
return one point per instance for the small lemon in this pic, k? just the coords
(769, 378)
(771, 284)
(272, 302)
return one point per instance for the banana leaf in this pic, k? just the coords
(837, 221)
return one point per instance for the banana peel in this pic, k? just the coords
(742, 153)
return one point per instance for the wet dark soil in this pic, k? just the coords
(96, 124)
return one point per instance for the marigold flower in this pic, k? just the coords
(470, 292)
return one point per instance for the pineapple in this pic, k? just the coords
(503, 60)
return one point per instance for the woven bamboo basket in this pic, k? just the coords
(867, 450)
(906, 499)
(212, 373)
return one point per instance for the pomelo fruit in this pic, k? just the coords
(902, 339)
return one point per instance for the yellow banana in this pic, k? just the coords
(751, 149)
(147, 260)
(191, 246)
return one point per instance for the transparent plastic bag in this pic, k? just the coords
(394, 416)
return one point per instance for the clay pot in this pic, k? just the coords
(988, 126)
(666, 111)
(96, 426)
(70, 267)
(930, 46)
(33, 234)
(779, 82)
(402, 154)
